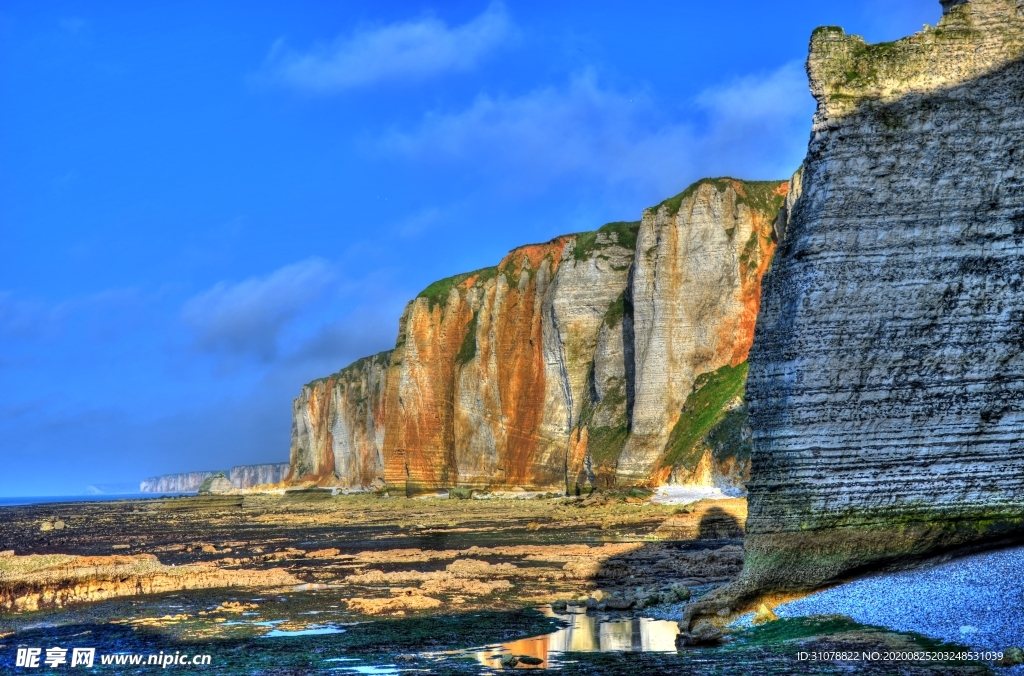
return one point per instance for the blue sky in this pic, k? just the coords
(205, 205)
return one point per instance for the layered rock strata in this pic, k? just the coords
(886, 386)
(538, 372)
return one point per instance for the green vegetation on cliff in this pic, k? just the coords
(438, 291)
(621, 233)
(616, 311)
(468, 349)
(760, 196)
(704, 409)
(381, 358)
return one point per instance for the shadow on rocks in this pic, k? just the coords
(699, 547)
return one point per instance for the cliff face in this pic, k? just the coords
(186, 482)
(247, 476)
(338, 427)
(536, 372)
(696, 292)
(491, 370)
(241, 476)
(886, 378)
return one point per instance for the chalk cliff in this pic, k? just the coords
(696, 292)
(185, 482)
(241, 476)
(338, 427)
(492, 369)
(542, 371)
(886, 383)
(247, 476)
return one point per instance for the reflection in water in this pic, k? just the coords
(590, 633)
(311, 630)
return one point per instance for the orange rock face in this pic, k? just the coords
(338, 427)
(696, 294)
(471, 382)
(565, 366)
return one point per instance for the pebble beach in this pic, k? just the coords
(976, 601)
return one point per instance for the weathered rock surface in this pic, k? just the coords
(491, 371)
(36, 581)
(538, 372)
(338, 427)
(247, 476)
(886, 387)
(696, 291)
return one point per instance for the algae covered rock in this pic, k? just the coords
(703, 633)
(1011, 657)
(218, 483)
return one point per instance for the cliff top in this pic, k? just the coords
(972, 38)
(617, 233)
(382, 358)
(766, 197)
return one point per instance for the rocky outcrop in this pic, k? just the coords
(886, 383)
(186, 482)
(247, 476)
(338, 427)
(539, 372)
(35, 582)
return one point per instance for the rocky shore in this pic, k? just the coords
(301, 579)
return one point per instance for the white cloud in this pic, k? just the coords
(751, 127)
(774, 96)
(247, 318)
(410, 49)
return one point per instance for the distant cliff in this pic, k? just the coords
(247, 476)
(886, 386)
(241, 476)
(616, 355)
(186, 482)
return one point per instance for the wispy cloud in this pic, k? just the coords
(101, 312)
(247, 318)
(405, 50)
(754, 126)
(757, 126)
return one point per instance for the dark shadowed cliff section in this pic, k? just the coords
(886, 383)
